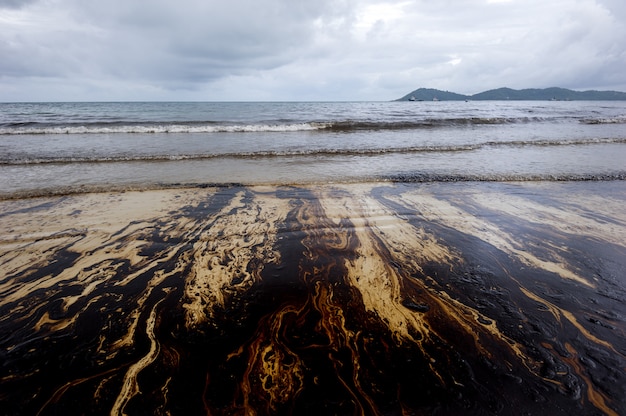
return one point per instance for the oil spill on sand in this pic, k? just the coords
(347, 299)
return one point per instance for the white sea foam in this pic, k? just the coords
(605, 120)
(161, 128)
(52, 148)
(380, 149)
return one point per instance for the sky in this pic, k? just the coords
(304, 50)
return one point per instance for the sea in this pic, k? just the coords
(64, 148)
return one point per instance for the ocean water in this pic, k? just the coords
(57, 148)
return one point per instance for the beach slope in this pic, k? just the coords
(375, 298)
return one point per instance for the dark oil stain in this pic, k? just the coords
(497, 336)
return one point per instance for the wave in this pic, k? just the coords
(151, 128)
(352, 125)
(408, 177)
(610, 120)
(317, 152)
(35, 128)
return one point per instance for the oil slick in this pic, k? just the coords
(346, 299)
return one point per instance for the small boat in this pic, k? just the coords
(412, 98)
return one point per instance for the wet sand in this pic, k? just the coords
(394, 299)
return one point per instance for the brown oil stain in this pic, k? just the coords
(329, 299)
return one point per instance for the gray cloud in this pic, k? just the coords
(281, 49)
(14, 4)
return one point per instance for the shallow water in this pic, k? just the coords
(78, 147)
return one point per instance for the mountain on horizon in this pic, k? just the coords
(501, 94)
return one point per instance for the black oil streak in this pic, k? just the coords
(330, 354)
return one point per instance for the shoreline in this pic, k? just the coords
(381, 298)
(411, 178)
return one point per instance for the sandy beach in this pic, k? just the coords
(372, 298)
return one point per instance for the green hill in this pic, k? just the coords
(544, 94)
(429, 94)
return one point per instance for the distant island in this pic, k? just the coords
(545, 94)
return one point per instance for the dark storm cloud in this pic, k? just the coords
(286, 49)
(184, 40)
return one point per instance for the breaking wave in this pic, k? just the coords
(9, 159)
(151, 128)
(34, 128)
(610, 120)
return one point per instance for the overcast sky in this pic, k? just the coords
(250, 50)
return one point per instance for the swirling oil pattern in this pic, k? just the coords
(346, 299)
